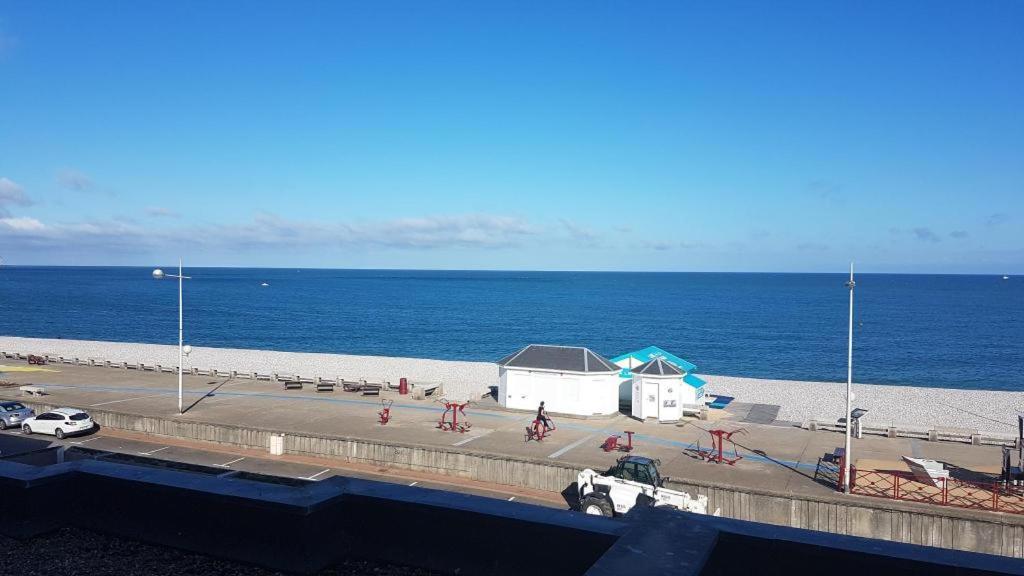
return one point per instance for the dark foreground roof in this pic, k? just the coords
(562, 358)
(658, 367)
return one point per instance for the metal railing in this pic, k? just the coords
(895, 485)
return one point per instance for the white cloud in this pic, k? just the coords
(74, 180)
(11, 193)
(826, 190)
(925, 234)
(997, 218)
(271, 232)
(812, 246)
(584, 236)
(22, 224)
(160, 212)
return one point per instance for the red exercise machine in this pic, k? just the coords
(538, 430)
(385, 413)
(716, 453)
(611, 443)
(451, 423)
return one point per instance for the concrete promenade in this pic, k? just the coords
(780, 459)
(914, 407)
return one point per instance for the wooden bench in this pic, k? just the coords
(33, 390)
(325, 386)
(291, 384)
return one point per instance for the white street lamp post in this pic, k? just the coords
(849, 386)
(160, 275)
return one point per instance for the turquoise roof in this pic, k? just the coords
(650, 353)
(694, 381)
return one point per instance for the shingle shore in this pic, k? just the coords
(982, 410)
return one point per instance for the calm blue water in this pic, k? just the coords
(951, 331)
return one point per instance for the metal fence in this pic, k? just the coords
(992, 496)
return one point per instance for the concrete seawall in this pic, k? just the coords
(482, 466)
(959, 529)
(990, 533)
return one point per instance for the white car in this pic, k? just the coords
(60, 422)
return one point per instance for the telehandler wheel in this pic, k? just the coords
(597, 507)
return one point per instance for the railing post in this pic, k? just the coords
(896, 487)
(995, 496)
(945, 491)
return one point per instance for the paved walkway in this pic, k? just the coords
(774, 457)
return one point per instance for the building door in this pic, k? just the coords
(650, 400)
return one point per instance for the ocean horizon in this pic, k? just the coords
(943, 330)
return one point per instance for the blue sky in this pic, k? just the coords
(770, 136)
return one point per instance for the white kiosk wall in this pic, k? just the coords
(657, 397)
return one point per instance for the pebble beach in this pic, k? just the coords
(980, 410)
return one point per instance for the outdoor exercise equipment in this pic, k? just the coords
(450, 417)
(385, 413)
(717, 452)
(538, 430)
(611, 443)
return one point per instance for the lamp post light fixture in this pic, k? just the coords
(849, 385)
(160, 275)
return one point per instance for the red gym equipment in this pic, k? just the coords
(611, 443)
(538, 430)
(385, 413)
(716, 453)
(452, 424)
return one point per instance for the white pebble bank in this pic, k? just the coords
(460, 379)
(982, 410)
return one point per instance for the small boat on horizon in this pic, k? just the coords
(264, 284)
(1006, 277)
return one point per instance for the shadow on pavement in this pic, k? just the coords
(207, 395)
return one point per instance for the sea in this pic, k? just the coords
(952, 331)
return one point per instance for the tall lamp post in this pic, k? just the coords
(160, 275)
(849, 386)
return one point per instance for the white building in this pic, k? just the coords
(664, 391)
(568, 379)
(631, 360)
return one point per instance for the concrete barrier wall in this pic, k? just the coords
(484, 467)
(987, 532)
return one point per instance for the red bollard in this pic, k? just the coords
(403, 386)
